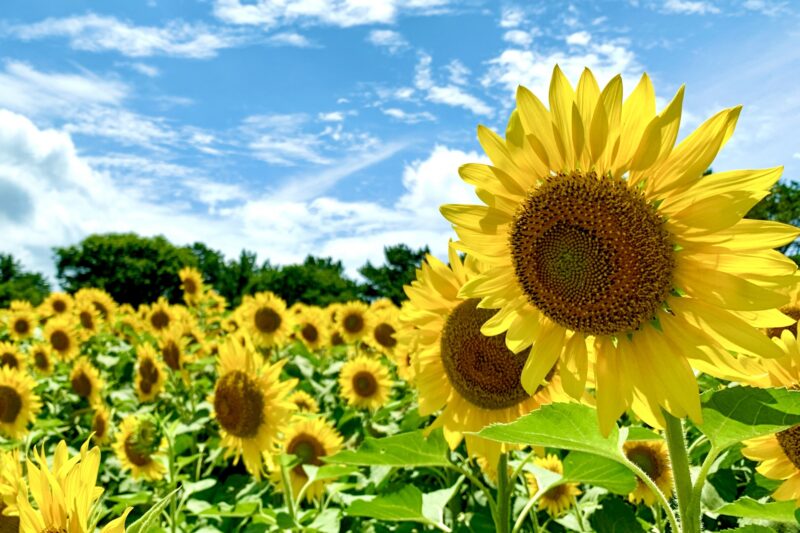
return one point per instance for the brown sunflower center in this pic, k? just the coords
(59, 306)
(789, 439)
(22, 326)
(267, 320)
(336, 339)
(81, 385)
(87, 321)
(384, 335)
(102, 309)
(41, 360)
(189, 286)
(53, 529)
(591, 253)
(480, 368)
(365, 384)
(308, 449)
(645, 458)
(8, 524)
(172, 355)
(59, 340)
(99, 425)
(10, 404)
(239, 404)
(159, 320)
(353, 323)
(135, 453)
(148, 370)
(302, 405)
(9, 359)
(310, 333)
(794, 312)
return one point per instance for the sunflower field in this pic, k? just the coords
(610, 346)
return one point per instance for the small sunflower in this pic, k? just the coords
(312, 328)
(304, 402)
(60, 334)
(57, 304)
(160, 316)
(598, 227)
(250, 404)
(265, 317)
(352, 321)
(85, 381)
(192, 284)
(88, 318)
(173, 347)
(21, 324)
(215, 303)
(309, 439)
(41, 356)
(381, 304)
(11, 357)
(150, 373)
(365, 383)
(652, 457)
(407, 344)
(779, 458)
(383, 327)
(140, 446)
(101, 424)
(559, 498)
(12, 483)
(19, 405)
(101, 300)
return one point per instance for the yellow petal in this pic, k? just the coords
(538, 121)
(495, 148)
(544, 354)
(562, 100)
(725, 290)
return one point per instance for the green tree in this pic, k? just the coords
(16, 284)
(782, 205)
(229, 278)
(316, 281)
(130, 268)
(400, 269)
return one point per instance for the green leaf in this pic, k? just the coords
(580, 467)
(408, 504)
(752, 528)
(149, 520)
(738, 413)
(406, 449)
(749, 508)
(569, 426)
(319, 473)
(615, 516)
(636, 433)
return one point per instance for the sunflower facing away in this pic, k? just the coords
(472, 378)
(140, 446)
(597, 223)
(250, 403)
(779, 458)
(365, 383)
(265, 317)
(85, 381)
(653, 457)
(559, 498)
(19, 405)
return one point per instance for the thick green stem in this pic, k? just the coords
(679, 457)
(641, 474)
(695, 510)
(504, 491)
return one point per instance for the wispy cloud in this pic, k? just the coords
(446, 94)
(690, 7)
(408, 117)
(390, 40)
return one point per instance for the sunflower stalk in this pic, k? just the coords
(505, 491)
(679, 458)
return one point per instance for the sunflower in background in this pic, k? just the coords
(19, 404)
(250, 404)
(140, 447)
(383, 327)
(651, 456)
(309, 439)
(56, 304)
(407, 343)
(191, 284)
(352, 321)
(304, 402)
(100, 300)
(365, 383)
(11, 357)
(265, 317)
(173, 347)
(88, 318)
(101, 424)
(40, 355)
(60, 334)
(311, 326)
(150, 373)
(11, 485)
(85, 381)
(21, 324)
(160, 316)
(559, 498)
(778, 456)
(598, 228)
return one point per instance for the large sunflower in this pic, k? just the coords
(651, 456)
(365, 383)
(85, 381)
(140, 447)
(596, 224)
(150, 373)
(265, 317)
(779, 458)
(559, 498)
(472, 378)
(250, 403)
(309, 439)
(19, 405)
(60, 334)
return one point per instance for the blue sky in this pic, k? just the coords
(334, 127)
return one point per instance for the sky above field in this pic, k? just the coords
(334, 127)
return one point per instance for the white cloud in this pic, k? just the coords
(451, 94)
(579, 38)
(457, 72)
(121, 125)
(391, 40)
(511, 17)
(766, 7)
(145, 69)
(407, 117)
(333, 116)
(290, 39)
(690, 7)
(98, 33)
(518, 37)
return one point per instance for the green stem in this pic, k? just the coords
(503, 517)
(578, 514)
(173, 484)
(478, 483)
(641, 474)
(695, 511)
(657, 515)
(679, 457)
(288, 496)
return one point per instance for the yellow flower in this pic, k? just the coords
(383, 327)
(160, 316)
(150, 373)
(101, 300)
(779, 458)
(21, 324)
(365, 383)
(352, 321)
(653, 457)
(19, 405)
(559, 498)
(304, 402)
(140, 447)
(312, 327)
(597, 227)
(101, 424)
(309, 439)
(250, 403)
(264, 315)
(88, 317)
(57, 304)
(11, 357)
(41, 355)
(11, 485)
(173, 348)
(192, 284)
(85, 381)
(60, 334)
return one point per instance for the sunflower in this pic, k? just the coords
(309, 439)
(85, 381)
(150, 374)
(88, 317)
(595, 226)
(215, 302)
(381, 304)
(383, 326)
(57, 304)
(160, 316)
(60, 334)
(250, 404)
(173, 345)
(407, 344)
(21, 324)
(473, 379)
(101, 424)
(101, 300)
(559, 498)
(41, 355)
(304, 402)
(11, 485)
(192, 284)
(365, 383)
(352, 321)
(312, 328)
(140, 446)
(778, 455)
(11, 357)
(653, 457)
(18, 403)
(265, 317)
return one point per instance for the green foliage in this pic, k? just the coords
(750, 508)
(16, 284)
(615, 516)
(781, 205)
(405, 449)
(130, 268)
(400, 269)
(230, 278)
(408, 504)
(317, 281)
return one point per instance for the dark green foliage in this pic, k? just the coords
(782, 205)
(16, 284)
(130, 268)
(400, 269)
(229, 278)
(317, 281)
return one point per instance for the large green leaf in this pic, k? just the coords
(750, 508)
(405, 449)
(408, 504)
(582, 467)
(615, 516)
(569, 426)
(738, 413)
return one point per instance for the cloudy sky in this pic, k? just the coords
(333, 127)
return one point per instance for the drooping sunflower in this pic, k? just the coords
(304, 402)
(312, 328)
(21, 324)
(309, 439)
(11, 357)
(65, 494)
(653, 457)
(85, 381)
(192, 284)
(160, 316)
(60, 334)
(57, 304)
(250, 404)
(150, 373)
(101, 424)
(140, 447)
(597, 225)
(353, 321)
(473, 379)
(265, 317)
(365, 383)
(40, 355)
(559, 498)
(383, 327)
(101, 300)
(19, 405)
(778, 455)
